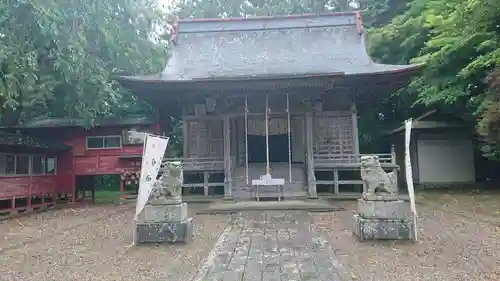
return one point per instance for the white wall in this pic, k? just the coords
(444, 160)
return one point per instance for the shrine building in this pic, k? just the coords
(271, 95)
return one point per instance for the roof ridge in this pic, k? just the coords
(251, 18)
(267, 23)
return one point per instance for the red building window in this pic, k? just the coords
(104, 142)
(50, 165)
(41, 165)
(24, 165)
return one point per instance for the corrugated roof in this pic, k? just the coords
(75, 122)
(263, 47)
(420, 123)
(21, 140)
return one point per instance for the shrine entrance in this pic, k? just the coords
(278, 148)
(268, 141)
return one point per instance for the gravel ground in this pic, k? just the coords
(91, 244)
(459, 239)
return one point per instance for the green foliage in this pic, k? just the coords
(58, 58)
(459, 42)
(107, 182)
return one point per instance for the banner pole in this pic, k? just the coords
(134, 222)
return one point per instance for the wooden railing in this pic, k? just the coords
(350, 160)
(199, 163)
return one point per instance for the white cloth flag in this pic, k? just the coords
(154, 149)
(409, 175)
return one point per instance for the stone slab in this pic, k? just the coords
(290, 205)
(384, 209)
(381, 197)
(165, 213)
(382, 229)
(168, 232)
(276, 245)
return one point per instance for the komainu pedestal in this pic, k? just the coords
(381, 214)
(165, 215)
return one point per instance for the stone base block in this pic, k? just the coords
(166, 201)
(381, 197)
(384, 209)
(168, 232)
(382, 229)
(162, 213)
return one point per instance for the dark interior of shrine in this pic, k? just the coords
(278, 148)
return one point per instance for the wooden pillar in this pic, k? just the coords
(289, 132)
(122, 187)
(336, 188)
(186, 137)
(311, 179)
(206, 175)
(73, 181)
(355, 133)
(30, 191)
(394, 162)
(228, 186)
(246, 140)
(93, 193)
(268, 169)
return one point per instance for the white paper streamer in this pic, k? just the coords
(409, 175)
(154, 149)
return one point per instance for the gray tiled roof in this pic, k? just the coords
(279, 47)
(274, 52)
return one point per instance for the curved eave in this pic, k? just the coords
(155, 84)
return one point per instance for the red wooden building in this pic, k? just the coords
(53, 159)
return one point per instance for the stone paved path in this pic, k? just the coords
(272, 246)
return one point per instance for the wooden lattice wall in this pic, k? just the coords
(333, 134)
(205, 138)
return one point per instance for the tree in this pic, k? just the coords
(489, 121)
(459, 42)
(58, 58)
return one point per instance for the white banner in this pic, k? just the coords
(409, 174)
(154, 149)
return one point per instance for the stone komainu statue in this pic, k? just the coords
(170, 182)
(377, 180)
